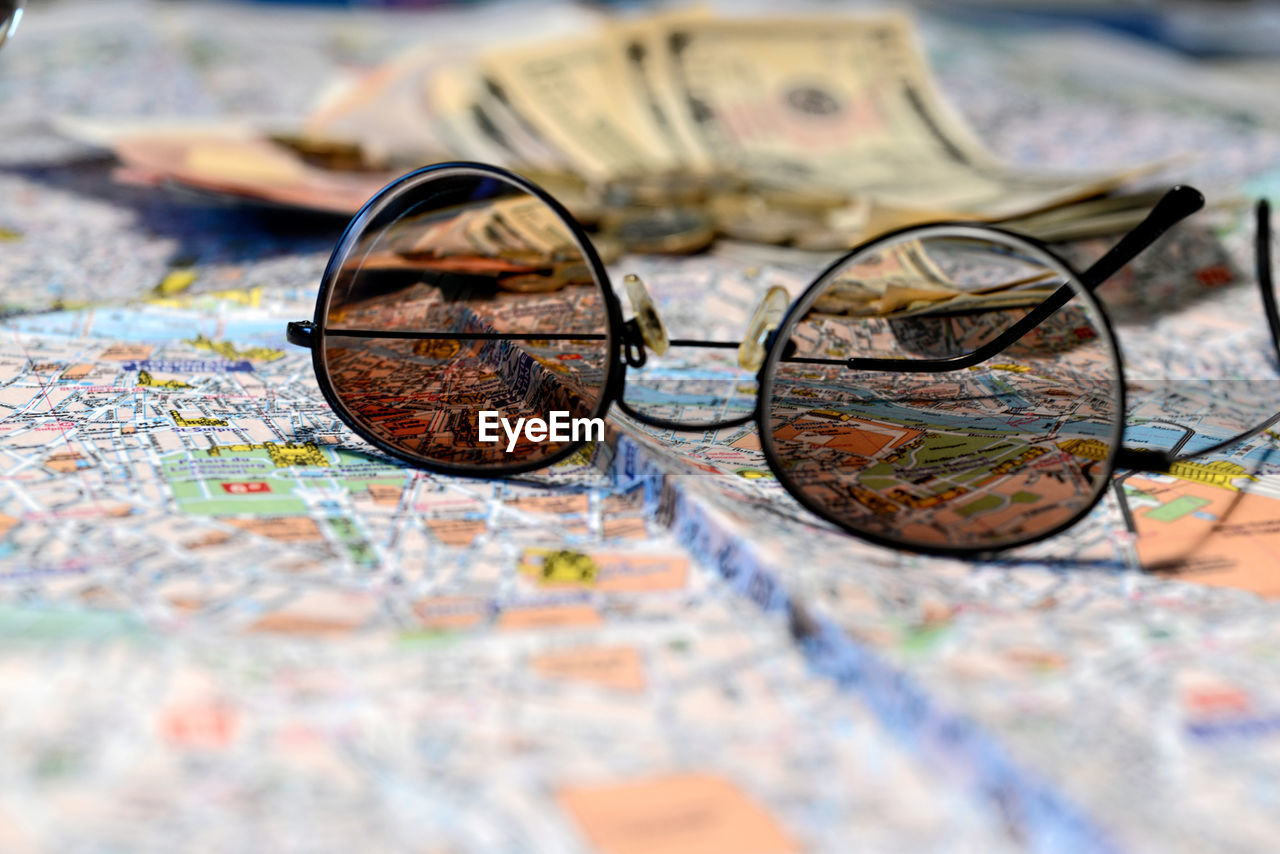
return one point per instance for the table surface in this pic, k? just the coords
(364, 654)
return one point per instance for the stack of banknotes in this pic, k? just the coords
(660, 133)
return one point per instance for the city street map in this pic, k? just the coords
(229, 624)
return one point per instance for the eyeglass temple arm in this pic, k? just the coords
(1174, 206)
(1262, 269)
(1144, 460)
(1162, 461)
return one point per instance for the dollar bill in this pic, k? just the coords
(386, 110)
(809, 132)
(846, 103)
(574, 93)
(452, 93)
(495, 112)
(252, 169)
(643, 44)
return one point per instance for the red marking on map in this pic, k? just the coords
(245, 487)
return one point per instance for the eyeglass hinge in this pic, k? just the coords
(1144, 459)
(299, 332)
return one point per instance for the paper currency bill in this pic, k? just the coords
(642, 45)
(386, 111)
(814, 132)
(575, 94)
(241, 166)
(837, 102)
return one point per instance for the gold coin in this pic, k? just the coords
(527, 257)
(573, 273)
(581, 199)
(657, 189)
(719, 183)
(767, 226)
(806, 199)
(531, 283)
(733, 204)
(607, 248)
(662, 231)
(824, 238)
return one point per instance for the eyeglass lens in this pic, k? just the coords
(993, 454)
(464, 294)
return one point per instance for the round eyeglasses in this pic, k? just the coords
(948, 388)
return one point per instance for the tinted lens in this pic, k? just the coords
(466, 302)
(1004, 450)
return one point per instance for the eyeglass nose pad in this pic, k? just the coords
(652, 329)
(764, 320)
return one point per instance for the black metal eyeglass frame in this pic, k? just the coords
(626, 347)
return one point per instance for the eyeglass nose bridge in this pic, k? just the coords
(647, 330)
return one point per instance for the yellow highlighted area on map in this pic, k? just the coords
(1090, 449)
(607, 572)
(227, 350)
(1219, 473)
(182, 421)
(246, 297)
(176, 282)
(282, 454)
(146, 379)
(560, 566)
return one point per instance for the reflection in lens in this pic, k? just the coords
(464, 293)
(1000, 451)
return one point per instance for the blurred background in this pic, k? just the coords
(385, 651)
(339, 97)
